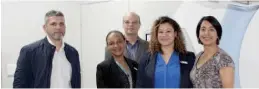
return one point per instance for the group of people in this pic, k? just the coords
(130, 62)
(164, 62)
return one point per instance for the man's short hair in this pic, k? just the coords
(52, 13)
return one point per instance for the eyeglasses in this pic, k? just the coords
(128, 22)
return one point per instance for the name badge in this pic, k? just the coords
(135, 68)
(184, 62)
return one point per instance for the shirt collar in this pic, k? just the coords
(137, 41)
(62, 46)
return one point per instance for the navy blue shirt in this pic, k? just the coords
(132, 49)
(167, 75)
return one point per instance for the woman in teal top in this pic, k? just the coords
(167, 64)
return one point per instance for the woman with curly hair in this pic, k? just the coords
(167, 64)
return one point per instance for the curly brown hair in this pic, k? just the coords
(155, 46)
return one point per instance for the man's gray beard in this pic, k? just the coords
(59, 38)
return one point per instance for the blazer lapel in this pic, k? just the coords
(183, 62)
(150, 68)
(140, 50)
(133, 70)
(116, 69)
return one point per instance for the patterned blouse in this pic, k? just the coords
(207, 76)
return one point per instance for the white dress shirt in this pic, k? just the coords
(61, 69)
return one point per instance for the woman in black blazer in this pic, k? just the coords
(167, 64)
(117, 71)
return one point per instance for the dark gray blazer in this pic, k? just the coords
(143, 47)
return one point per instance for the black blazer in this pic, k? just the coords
(146, 70)
(110, 75)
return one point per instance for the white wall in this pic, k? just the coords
(248, 61)
(22, 24)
